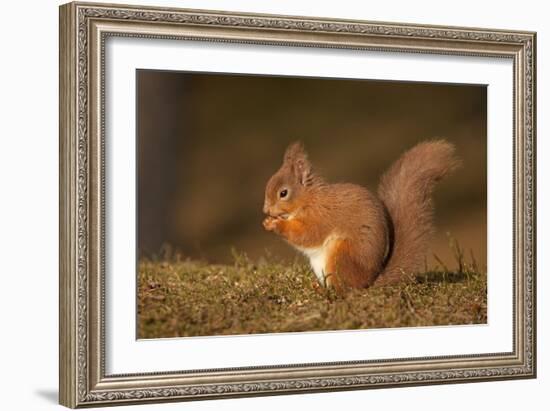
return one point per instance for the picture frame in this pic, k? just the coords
(84, 30)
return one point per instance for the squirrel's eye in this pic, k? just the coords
(283, 193)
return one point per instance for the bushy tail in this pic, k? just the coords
(406, 190)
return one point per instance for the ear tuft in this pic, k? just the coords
(296, 158)
(294, 151)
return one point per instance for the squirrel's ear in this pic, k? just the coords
(296, 159)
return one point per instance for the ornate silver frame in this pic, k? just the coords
(83, 30)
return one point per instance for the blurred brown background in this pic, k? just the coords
(207, 144)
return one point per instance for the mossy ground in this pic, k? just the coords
(178, 298)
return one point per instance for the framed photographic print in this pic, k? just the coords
(260, 204)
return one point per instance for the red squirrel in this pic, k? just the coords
(352, 237)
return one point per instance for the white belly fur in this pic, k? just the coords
(318, 258)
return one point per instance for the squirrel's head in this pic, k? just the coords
(285, 189)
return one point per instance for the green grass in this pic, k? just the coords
(189, 298)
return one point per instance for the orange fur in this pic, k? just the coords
(294, 231)
(352, 237)
(345, 269)
(406, 190)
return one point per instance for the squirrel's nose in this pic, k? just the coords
(266, 209)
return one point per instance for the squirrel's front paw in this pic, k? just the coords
(270, 223)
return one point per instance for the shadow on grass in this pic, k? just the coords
(441, 277)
